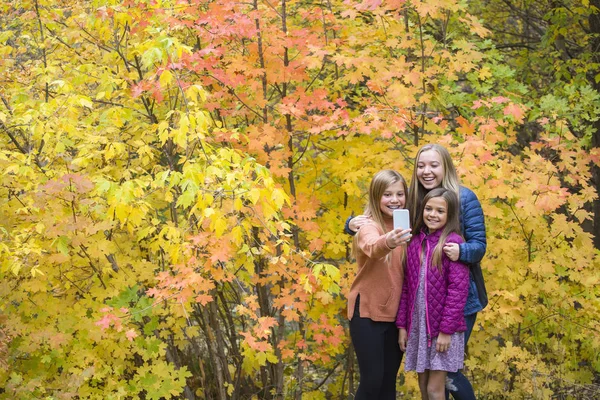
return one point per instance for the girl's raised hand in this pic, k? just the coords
(452, 251)
(443, 342)
(397, 237)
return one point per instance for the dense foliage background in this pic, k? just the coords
(176, 175)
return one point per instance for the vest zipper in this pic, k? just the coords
(426, 307)
(412, 308)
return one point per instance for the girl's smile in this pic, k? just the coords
(392, 199)
(430, 170)
(435, 214)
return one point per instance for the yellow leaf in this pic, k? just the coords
(122, 211)
(180, 137)
(165, 78)
(237, 235)
(86, 102)
(485, 73)
(237, 204)
(254, 195)
(163, 131)
(279, 197)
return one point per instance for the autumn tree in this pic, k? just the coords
(553, 47)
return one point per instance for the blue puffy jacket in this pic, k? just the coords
(472, 226)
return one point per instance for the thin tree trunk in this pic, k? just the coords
(594, 21)
(295, 231)
(210, 343)
(220, 341)
(268, 374)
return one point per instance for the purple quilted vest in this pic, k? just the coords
(446, 293)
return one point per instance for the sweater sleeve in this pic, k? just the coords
(473, 249)
(456, 298)
(372, 242)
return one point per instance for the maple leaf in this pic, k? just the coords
(367, 5)
(291, 314)
(58, 340)
(466, 128)
(254, 344)
(222, 250)
(354, 77)
(131, 334)
(499, 99)
(263, 329)
(204, 299)
(476, 26)
(484, 73)
(301, 344)
(594, 155)
(515, 110)
(105, 322)
(478, 104)
(137, 89)
(287, 354)
(316, 244)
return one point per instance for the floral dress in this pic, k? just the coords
(419, 357)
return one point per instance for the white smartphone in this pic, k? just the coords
(401, 219)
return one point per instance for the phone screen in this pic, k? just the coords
(401, 219)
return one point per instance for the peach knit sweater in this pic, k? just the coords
(378, 278)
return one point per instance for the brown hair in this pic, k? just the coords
(380, 182)
(452, 222)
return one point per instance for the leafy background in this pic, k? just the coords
(176, 175)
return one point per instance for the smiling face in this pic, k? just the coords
(393, 198)
(430, 170)
(435, 213)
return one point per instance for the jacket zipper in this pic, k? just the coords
(427, 308)
(412, 308)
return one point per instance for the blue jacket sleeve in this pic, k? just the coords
(473, 228)
(347, 227)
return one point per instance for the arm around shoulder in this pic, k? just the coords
(347, 227)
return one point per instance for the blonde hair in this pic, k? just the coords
(417, 192)
(452, 221)
(379, 184)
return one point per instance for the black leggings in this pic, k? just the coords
(378, 354)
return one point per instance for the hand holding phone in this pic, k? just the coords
(401, 234)
(402, 223)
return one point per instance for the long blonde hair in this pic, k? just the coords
(417, 192)
(380, 182)
(452, 222)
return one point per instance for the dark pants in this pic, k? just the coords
(378, 354)
(456, 383)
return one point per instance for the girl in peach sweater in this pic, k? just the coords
(375, 293)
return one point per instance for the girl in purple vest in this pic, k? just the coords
(434, 293)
